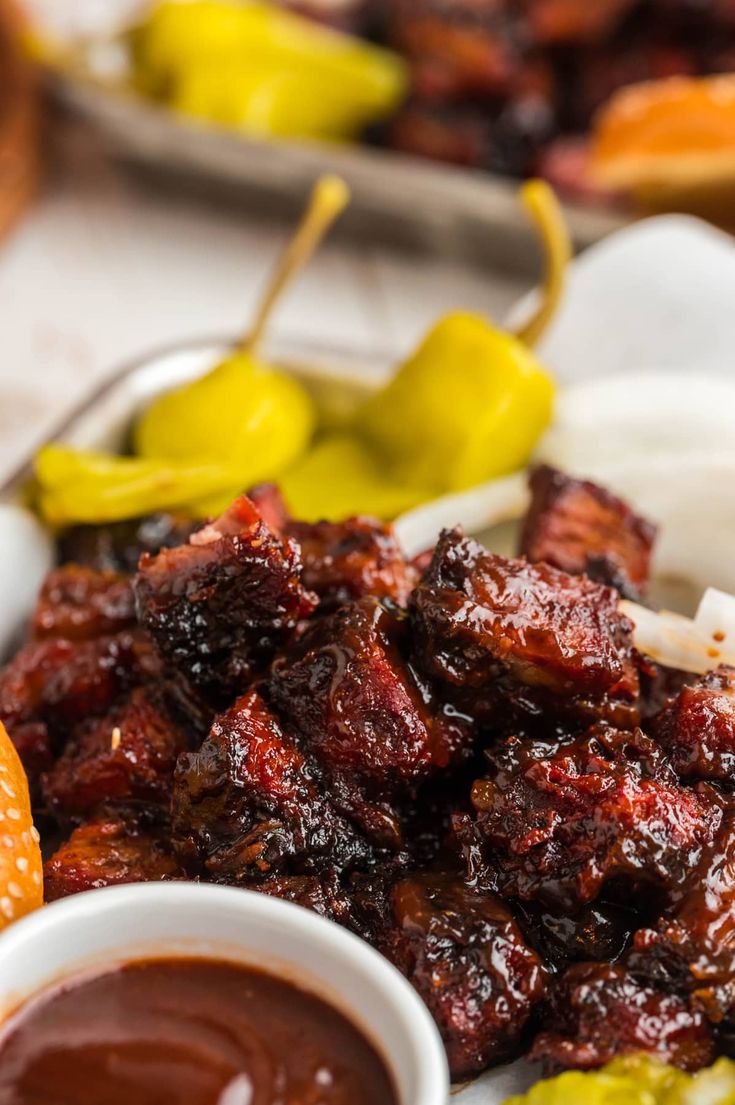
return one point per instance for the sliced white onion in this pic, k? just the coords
(696, 644)
(476, 510)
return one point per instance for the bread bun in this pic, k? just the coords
(670, 143)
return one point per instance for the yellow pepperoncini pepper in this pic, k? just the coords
(78, 485)
(257, 67)
(341, 477)
(241, 423)
(473, 400)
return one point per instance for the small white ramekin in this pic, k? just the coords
(106, 928)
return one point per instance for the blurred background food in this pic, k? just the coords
(512, 87)
(19, 161)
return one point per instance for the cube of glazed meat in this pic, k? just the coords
(118, 546)
(342, 560)
(692, 950)
(557, 820)
(322, 894)
(599, 1011)
(248, 805)
(599, 931)
(697, 728)
(351, 697)
(80, 603)
(348, 560)
(495, 625)
(52, 685)
(127, 757)
(584, 529)
(218, 608)
(464, 953)
(106, 853)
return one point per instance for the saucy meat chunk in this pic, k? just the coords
(248, 804)
(347, 691)
(484, 622)
(464, 953)
(599, 1011)
(342, 560)
(697, 728)
(348, 560)
(79, 603)
(118, 546)
(556, 820)
(128, 756)
(692, 950)
(105, 853)
(218, 607)
(582, 528)
(52, 685)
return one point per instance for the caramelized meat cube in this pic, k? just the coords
(581, 528)
(322, 894)
(557, 820)
(599, 1011)
(79, 603)
(219, 607)
(347, 691)
(349, 560)
(697, 728)
(692, 950)
(342, 560)
(128, 756)
(105, 853)
(484, 622)
(247, 804)
(118, 546)
(464, 953)
(57, 684)
(599, 931)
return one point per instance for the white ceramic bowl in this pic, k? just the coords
(104, 928)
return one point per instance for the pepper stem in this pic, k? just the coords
(328, 200)
(545, 212)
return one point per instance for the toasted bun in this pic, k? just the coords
(667, 136)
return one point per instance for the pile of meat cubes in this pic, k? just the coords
(464, 760)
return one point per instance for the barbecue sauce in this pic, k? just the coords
(186, 1032)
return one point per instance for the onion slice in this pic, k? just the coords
(696, 644)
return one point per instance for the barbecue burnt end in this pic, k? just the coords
(598, 1011)
(533, 637)
(249, 805)
(582, 528)
(558, 820)
(219, 607)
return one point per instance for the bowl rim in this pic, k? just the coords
(428, 1057)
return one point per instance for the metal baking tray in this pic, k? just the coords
(398, 200)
